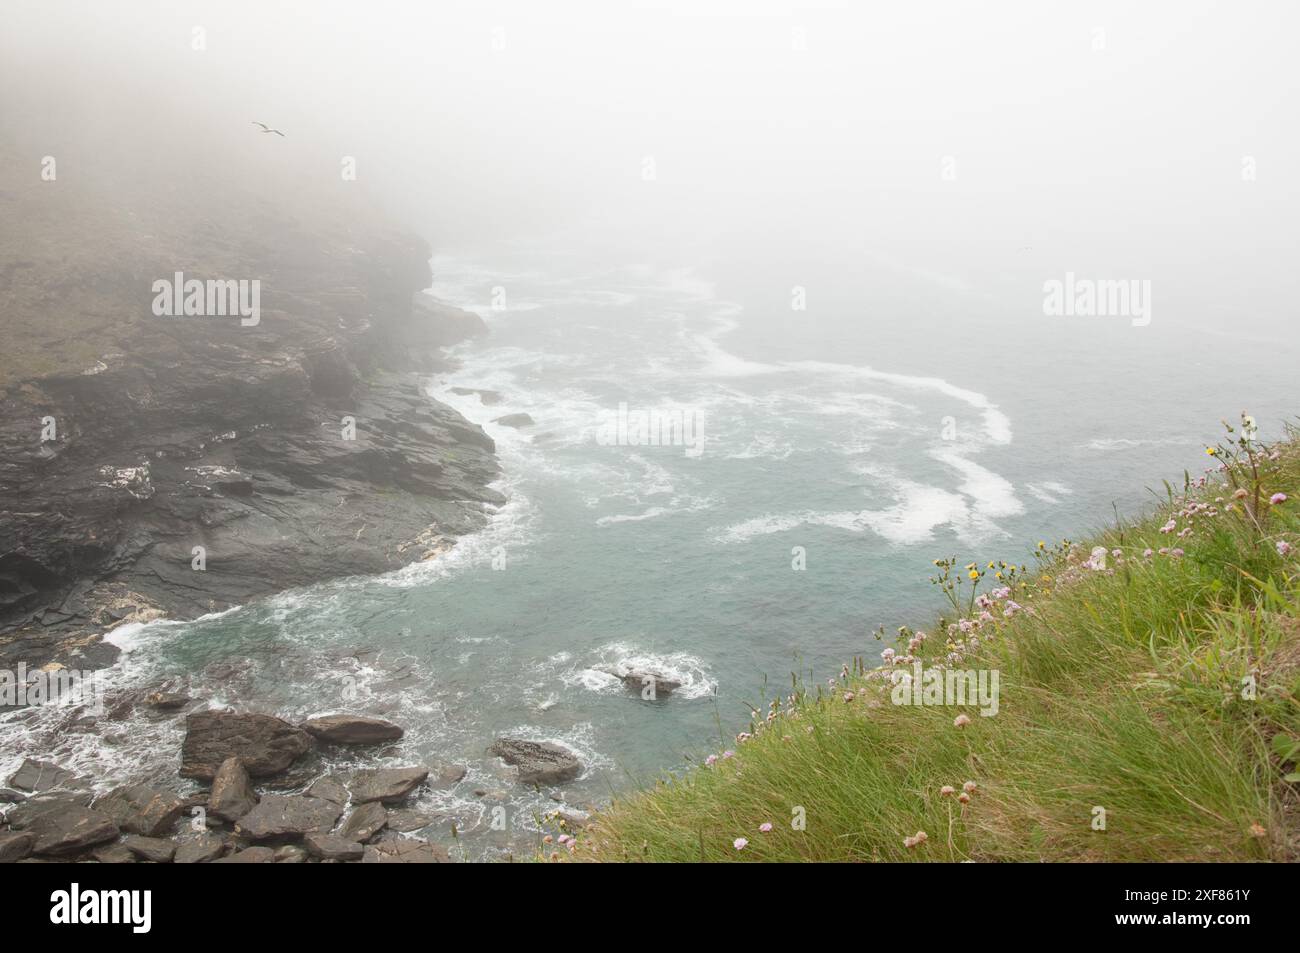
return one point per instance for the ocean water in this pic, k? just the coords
(815, 462)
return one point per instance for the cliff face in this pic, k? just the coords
(185, 464)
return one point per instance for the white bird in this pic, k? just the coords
(266, 128)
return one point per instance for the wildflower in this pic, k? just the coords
(1169, 527)
(1211, 451)
(974, 574)
(740, 843)
(1117, 553)
(743, 737)
(1258, 830)
(711, 760)
(1277, 498)
(969, 787)
(920, 837)
(947, 791)
(728, 754)
(765, 826)
(547, 839)
(961, 721)
(1240, 494)
(964, 798)
(563, 839)
(1041, 544)
(1175, 552)
(848, 697)
(1283, 548)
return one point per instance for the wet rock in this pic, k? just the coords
(15, 845)
(364, 822)
(232, 791)
(329, 789)
(290, 854)
(281, 816)
(265, 744)
(406, 850)
(62, 825)
(351, 730)
(199, 850)
(537, 762)
(639, 682)
(252, 855)
(113, 854)
(332, 847)
(167, 701)
(388, 785)
(486, 397)
(11, 797)
(405, 820)
(140, 809)
(515, 420)
(34, 776)
(153, 849)
(448, 774)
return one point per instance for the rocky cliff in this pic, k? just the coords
(178, 465)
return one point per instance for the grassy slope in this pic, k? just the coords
(1120, 688)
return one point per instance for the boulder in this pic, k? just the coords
(288, 816)
(515, 420)
(140, 809)
(388, 785)
(11, 797)
(537, 762)
(265, 744)
(448, 774)
(253, 855)
(406, 820)
(290, 854)
(14, 845)
(62, 825)
(112, 854)
(329, 789)
(153, 849)
(406, 850)
(364, 822)
(232, 791)
(167, 701)
(351, 730)
(199, 850)
(33, 776)
(332, 847)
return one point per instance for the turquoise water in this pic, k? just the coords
(841, 453)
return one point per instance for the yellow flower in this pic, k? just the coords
(999, 575)
(974, 574)
(1211, 451)
(1041, 544)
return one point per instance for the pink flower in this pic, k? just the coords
(1175, 552)
(1277, 498)
(711, 760)
(740, 843)
(765, 826)
(1283, 548)
(728, 754)
(1148, 553)
(961, 721)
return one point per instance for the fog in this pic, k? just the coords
(987, 147)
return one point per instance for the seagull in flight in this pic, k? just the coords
(266, 128)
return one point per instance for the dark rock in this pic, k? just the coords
(351, 730)
(167, 701)
(153, 849)
(486, 397)
(281, 816)
(34, 776)
(61, 825)
(515, 420)
(113, 854)
(364, 822)
(199, 850)
(640, 681)
(388, 785)
(252, 855)
(14, 845)
(11, 797)
(232, 792)
(332, 847)
(265, 744)
(290, 854)
(406, 851)
(140, 809)
(405, 820)
(329, 789)
(537, 762)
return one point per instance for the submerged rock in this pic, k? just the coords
(351, 730)
(518, 421)
(537, 762)
(638, 681)
(265, 744)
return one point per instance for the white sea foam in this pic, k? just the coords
(601, 674)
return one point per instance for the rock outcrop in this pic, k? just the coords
(537, 762)
(351, 730)
(264, 744)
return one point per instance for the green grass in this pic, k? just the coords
(1162, 689)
